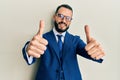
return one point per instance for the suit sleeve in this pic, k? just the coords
(29, 60)
(82, 52)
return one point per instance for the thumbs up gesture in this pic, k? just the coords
(93, 47)
(37, 45)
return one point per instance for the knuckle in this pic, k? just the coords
(86, 48)
(35, 37)
(92, 56)
(44, 48)
(30, 53)
(32, 42)
(41, 52)
(46, 42)
(89, 53)
(30, 47)
(37, 55)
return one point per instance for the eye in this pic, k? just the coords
(61, 16)
(68, 18)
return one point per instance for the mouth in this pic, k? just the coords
(62, 24)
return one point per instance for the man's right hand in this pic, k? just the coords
(37, 45)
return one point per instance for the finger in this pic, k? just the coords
(87, 32)
(92, 51)
(100, 56)
(32, 53)
(40, 40)
(38, 45)
(41, 28)
(95, 54)
(36, 50)
(90, 45)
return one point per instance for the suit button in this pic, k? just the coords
(57, 71)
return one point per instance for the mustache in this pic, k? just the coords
(62, 23)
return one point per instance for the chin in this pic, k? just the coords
(62, 29)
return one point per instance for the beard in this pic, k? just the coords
(58, 29)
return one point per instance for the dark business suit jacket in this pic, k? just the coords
(49, 66)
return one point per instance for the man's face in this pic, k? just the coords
(62, 19)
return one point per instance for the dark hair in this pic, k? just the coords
(65, 6)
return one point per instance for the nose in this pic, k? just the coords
(63, 19)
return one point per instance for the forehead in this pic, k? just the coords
(65, 11)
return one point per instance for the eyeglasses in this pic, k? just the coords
(61, 16)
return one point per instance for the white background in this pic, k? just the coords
(19, 21)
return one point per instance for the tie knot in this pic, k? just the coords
(59, 36)
(59, 42)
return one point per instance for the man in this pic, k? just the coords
(58, 49)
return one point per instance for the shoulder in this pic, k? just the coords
(48, 33)
(73, 37)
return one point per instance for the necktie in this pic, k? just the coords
(59, 42)
(60, 54)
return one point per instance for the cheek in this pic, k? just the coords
(57, 20)
(68, 24)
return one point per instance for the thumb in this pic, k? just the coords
(87, 32)
(41, 28)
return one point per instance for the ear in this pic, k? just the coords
(54, 17)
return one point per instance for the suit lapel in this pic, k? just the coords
(53, 43)
(66, 45)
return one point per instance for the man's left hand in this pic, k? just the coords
(93, 47)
